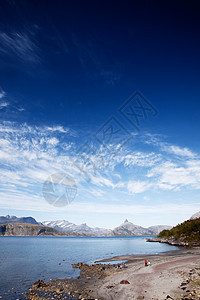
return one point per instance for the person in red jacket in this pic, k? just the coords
(146, 263)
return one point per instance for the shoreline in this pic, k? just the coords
(135, 256)
(163, 278)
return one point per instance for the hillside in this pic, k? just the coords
(24, 229)
(184, 234)
(13, 219)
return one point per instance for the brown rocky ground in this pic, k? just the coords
(80, 288)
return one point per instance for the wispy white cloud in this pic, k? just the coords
(141, 159)
(2, 93)
(185, 152)
(97, 192)
(56, 128)
(30, 154)
(20, 45)
(102, 181)
(137, 187)
(4, 104)
(8, 104)
(172, 176)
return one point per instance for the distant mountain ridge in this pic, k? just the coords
(13, 219)
(195, 216)
(83, 228)
(125, 229)
(26, 229)
(156, 229)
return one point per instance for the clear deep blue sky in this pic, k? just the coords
(67, 67)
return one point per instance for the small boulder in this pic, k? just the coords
(124, 282)
(38, 283)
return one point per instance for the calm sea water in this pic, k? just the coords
(23, 260)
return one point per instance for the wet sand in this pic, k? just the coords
(172, 274)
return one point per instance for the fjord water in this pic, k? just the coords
(24, 260)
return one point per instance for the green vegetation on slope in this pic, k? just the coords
(188, 231)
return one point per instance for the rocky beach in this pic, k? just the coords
(171, 275)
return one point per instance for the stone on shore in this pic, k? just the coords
(124, 282)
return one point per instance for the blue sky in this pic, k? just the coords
(108, 94)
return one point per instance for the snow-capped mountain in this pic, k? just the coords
(83, 228)
(125, 229)
(128, 228)
(61, 224)
(195, 216)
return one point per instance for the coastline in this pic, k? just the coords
(174, 242)
(171, 274)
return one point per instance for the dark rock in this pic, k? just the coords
(38, 284)
(124, 282)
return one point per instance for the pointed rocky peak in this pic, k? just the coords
(126, 221)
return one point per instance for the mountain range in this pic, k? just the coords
(125, 229)
(27, 229)
(71, 227)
